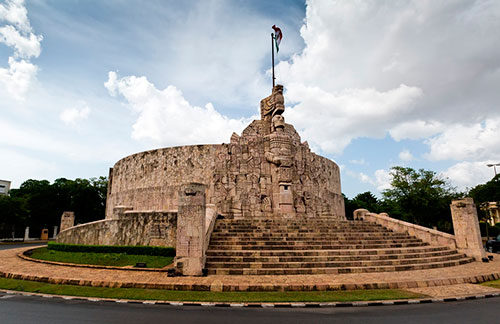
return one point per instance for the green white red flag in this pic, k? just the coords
(277, 37)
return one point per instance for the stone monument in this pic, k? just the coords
(267, 171)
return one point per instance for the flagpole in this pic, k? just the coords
(272, 51)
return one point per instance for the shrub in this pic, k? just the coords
(127, 249)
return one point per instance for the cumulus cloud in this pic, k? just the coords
(381, 178)
(18, 77)
(405, 155)
(467, 174)
(18, 34)
(476, 142)
(25, 46)
(14, 12)
(167, 118)
(409, 69)
(332, 120)
(72, 116)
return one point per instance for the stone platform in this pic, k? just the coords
(13, 266)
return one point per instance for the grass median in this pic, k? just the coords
(206, 296)
(493, 284)
(106, 259)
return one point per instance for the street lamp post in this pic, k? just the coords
(494, 165)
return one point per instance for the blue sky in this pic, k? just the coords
(369, 84)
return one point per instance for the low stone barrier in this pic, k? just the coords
(428, 235)
(156, 228)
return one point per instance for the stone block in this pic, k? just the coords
(190, 258)
(67, 220)
(466, 228)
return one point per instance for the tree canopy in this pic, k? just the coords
(38, 203)
(416, 196)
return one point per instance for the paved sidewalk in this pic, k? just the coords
(12, 266)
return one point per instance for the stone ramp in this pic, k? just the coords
(278, 246)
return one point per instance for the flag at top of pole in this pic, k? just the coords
(277, 37)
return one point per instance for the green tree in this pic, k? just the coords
(365, 200)
(419, 197)
(43, 202)
(489, 191)
(12, 216)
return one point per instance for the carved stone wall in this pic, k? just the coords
(132, 228)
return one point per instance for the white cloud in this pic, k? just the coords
(167, 118)
(374, 68)
(381, 179)
(469, 174)
(476, 142)
(332, 120)
(72, 116)
(416, 129)
(17, 78)
(14, 12)
(25, 46)
(405, 155)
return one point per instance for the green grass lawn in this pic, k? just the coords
(107, 259)
(493, 284)
(206, 296)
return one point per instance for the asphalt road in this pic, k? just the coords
(27, 309)
(4, 246)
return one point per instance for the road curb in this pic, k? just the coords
(260, 305)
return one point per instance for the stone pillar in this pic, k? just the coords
(54, 234)
(67, 220)
(190, 258)
(466, 227)
(27, 233)
(359, 214)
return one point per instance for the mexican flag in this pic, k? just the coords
(277, 37)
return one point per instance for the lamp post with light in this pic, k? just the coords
(494, 165)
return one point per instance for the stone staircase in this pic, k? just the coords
(271, 246)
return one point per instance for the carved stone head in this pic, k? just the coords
(278, 123)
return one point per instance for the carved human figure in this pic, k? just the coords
(272, 105)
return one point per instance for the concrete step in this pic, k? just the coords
(308, 235)
(320, 240)
(315, 246)
(330, 264)
(325, 252)
(317, 231)
(331, 270)
(326, 258)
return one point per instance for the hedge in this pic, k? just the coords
(127, 249)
